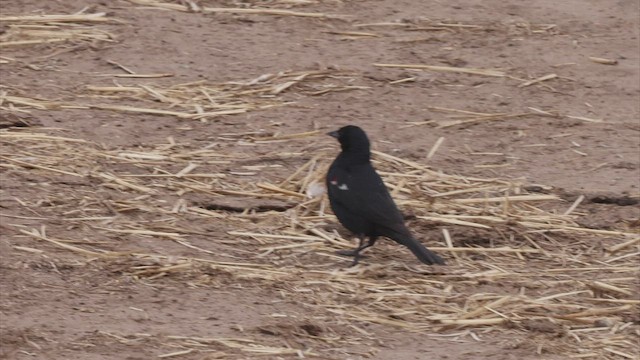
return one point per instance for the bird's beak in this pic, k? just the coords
(334, 134)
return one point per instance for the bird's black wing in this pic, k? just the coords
(360, 191)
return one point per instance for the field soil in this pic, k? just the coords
(159, 161)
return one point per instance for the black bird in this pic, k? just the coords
(362, 202)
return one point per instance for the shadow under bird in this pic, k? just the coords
(361, 201)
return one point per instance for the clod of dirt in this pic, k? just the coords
(471, 240)
(537, 189)
(8, 120)
(604, 322)
(625, 165)
(614, 200)
(242, 204)
(542, 326)
(272, 330)
(312, 329)
(288, 329)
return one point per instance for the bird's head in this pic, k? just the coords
(352, 139)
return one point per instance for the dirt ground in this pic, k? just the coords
(106, 253)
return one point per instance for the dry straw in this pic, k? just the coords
(412, 31)
(58, 28)
(200, 100)
(192, 6)
(519, 262)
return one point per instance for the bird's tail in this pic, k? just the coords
(422, 253)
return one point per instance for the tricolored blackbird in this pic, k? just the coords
(362, 202)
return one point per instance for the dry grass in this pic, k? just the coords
(57, 28)
(265, 8)
(199, 100)
(542, 277)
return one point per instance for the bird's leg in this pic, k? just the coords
(356, 252)
(356, 257)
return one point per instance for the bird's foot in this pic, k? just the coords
(356, 260)
(355, 253)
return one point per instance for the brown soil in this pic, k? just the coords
(576, 133)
